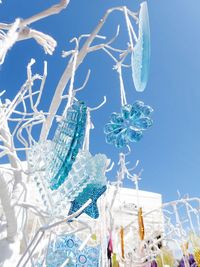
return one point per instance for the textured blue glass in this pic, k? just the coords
(93, 192)
(38, 159)
(68, 140)
(141, 54)
(86, 169)
(128, 126)
(67, 247)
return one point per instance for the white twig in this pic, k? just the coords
(57, 98)
(8, 209)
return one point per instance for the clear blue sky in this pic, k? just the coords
(169, 153)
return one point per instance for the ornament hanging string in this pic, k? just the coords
(122, 89)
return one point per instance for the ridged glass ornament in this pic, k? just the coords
(140, 58)
(68, 140)
(86, 169)
(92, 189)
(66, 248)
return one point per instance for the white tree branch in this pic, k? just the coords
(57, 98)
(8, 209)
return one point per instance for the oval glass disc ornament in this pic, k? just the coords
(140, 58)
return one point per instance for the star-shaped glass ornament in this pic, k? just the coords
(140, 59)
(85, 170)
(93, 192)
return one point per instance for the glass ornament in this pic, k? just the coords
(191, 262)
(95, 171)
(66, 249)
(93, 192)
(140, 58)
(38, 159)
(85, 170)
(128, 126)
(68, 140)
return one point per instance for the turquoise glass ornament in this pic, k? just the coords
(140, 58)
(86, 169)
(66, 248)
(93, 192)
(39, 157)
(128, 126)
(95, 170)
(68, 140)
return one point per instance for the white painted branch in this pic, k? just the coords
(8, 209)
(44, 14)
(45, 40)
(41, 231)
(19, 31)
(8, 143)
(56, 9)
(57, 98)
(8, 40)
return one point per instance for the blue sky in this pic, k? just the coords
(169, 153)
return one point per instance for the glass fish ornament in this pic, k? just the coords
(140, 58)
(128, 126)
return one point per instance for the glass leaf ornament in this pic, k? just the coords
(68, 140)
(94, 189)
(66, 249)
(128, 126)
(140, 58)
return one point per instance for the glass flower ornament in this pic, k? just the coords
(68, 140)
(128, 126)
(140, 59)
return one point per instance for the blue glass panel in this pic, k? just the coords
(68, 141)
(141, 55)
(66, 248)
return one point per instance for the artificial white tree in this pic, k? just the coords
(23, 217)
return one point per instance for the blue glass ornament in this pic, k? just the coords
(86, 169)
(38, 159)
(95, 169)
(128, 126)
(140, 58)
(68, 140)
(65, 248)
(93, 192)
